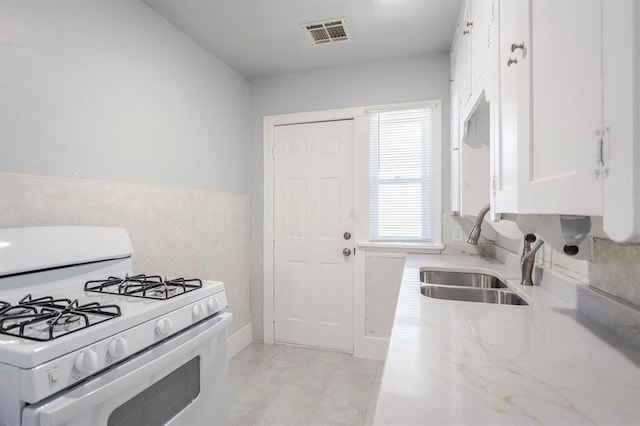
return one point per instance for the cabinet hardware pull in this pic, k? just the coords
(515, 46)
(469, 24)
(599, 152)
(511, 61)
(465, 32)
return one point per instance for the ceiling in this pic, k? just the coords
(262, 38)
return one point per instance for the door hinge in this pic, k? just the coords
(494, 184)
(273, 151)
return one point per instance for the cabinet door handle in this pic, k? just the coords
(597, 170)
(469, 24)
(465, 32)
(515, 46)
(511, 61)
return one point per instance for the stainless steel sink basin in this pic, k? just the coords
(461, 279)
(467, 294)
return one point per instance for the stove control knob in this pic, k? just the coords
(198, 311)
(164, 326)
(87, 361)
(118, 348)
(212, 304)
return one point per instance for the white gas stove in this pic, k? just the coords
(84, 340)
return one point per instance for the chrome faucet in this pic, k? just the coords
(528, 258)
(475, 231)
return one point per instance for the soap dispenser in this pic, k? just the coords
(574, 230)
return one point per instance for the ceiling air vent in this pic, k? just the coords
(325, 32)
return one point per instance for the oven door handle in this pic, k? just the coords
(109, 390)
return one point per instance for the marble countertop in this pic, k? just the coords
(452, 362)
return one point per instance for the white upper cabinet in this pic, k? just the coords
(454, 99)
(463, 52)
(513, 104)
(472, 48)
(481, 14)
(469, 114)
(621, 144)
(564, 175)
(563, 81)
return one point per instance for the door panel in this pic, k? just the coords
(513, 142)
(621, 59)
(567, 106)
(313, 283)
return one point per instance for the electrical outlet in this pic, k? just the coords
(458, 233)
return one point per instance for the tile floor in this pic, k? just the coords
(278, 384)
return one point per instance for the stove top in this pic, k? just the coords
(144, 286)
(47, 318)
(63, 289)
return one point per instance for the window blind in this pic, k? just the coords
(401, 175)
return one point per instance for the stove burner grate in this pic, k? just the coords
(144, 286)
(46, 318)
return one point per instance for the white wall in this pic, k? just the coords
(370, 84)
(109, 90)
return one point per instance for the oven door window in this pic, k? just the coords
(163, 400)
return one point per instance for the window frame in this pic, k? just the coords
(436, 212)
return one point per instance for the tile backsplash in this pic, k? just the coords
(174, 231)
(614, 269)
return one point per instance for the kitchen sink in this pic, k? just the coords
(461, 279)
(469, 294)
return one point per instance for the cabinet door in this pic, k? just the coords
(464, 58)
(480, 19)
(566, 75)
(455, 135)
(621, 153)
(513, 134)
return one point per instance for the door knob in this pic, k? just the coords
(346, 252)
(347, 235)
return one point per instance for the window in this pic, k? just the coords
(404, 196)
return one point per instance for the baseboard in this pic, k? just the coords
(239, 340)
(313, 345)
(371, 348)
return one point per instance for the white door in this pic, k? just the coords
(313, 209)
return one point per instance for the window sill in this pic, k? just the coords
(396, 247)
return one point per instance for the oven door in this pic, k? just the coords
(182, 381)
